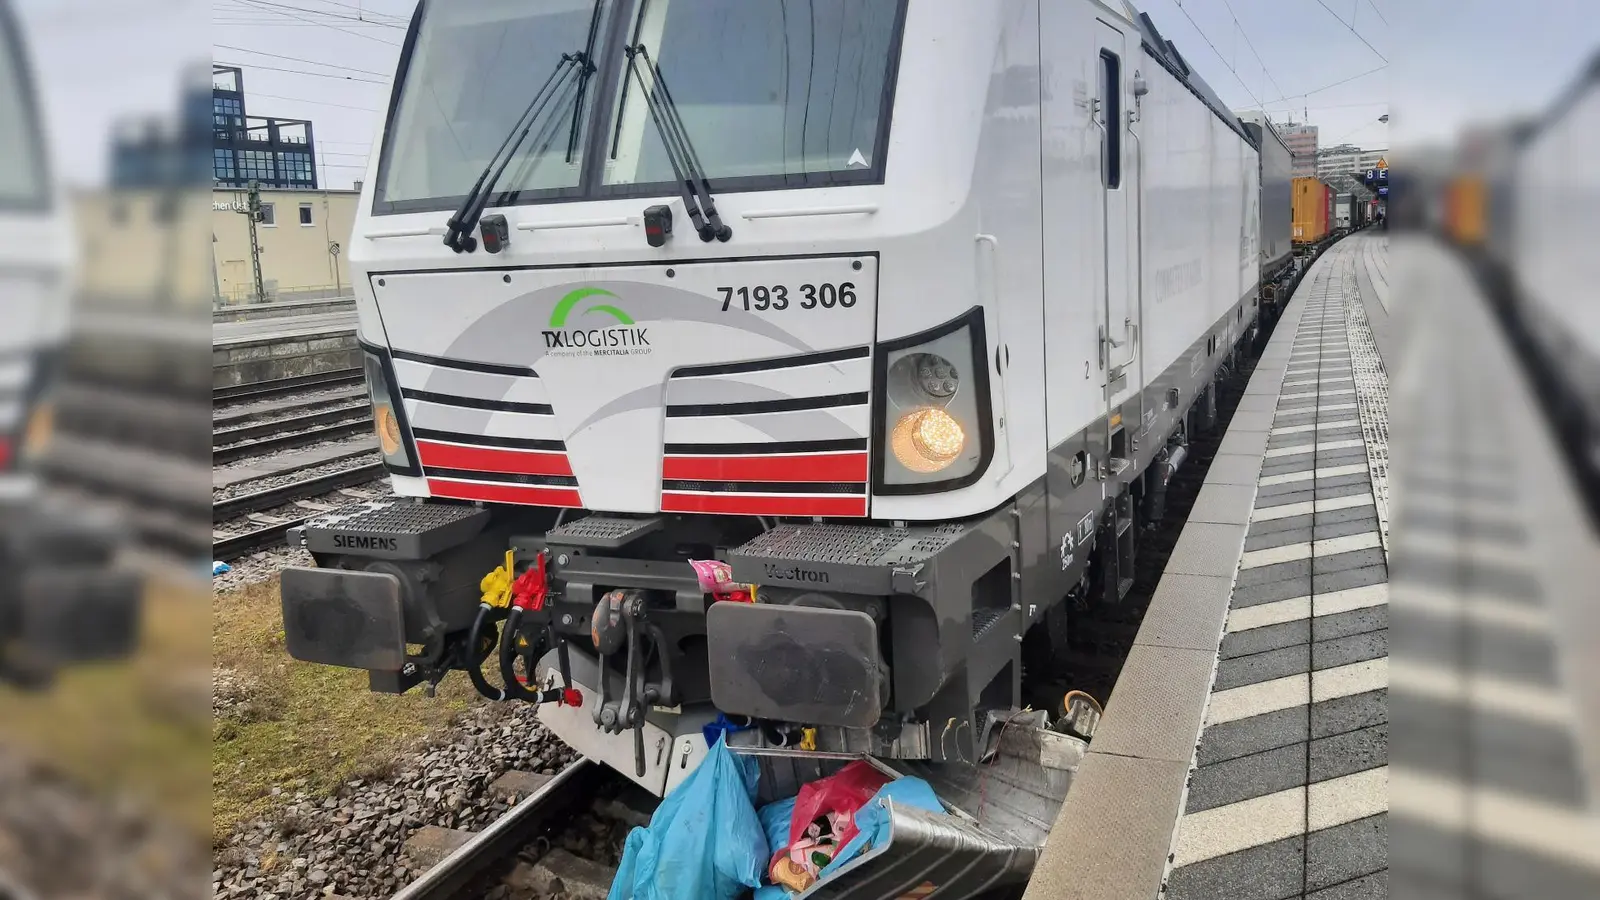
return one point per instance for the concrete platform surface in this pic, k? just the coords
(1289, 794)
(256, 330)
(1243, 753)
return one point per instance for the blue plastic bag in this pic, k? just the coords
(775, 818)
(704, 842)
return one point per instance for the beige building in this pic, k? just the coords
(303, 239)
(142, 248)
(1348, 160)
(1302, 143)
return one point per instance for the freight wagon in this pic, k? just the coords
(1276, 203)
(1312, 209)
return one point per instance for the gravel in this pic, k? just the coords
(57, 840)
(259, 567)
(271, 481)
(350, 843)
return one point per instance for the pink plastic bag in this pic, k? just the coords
(843, 792)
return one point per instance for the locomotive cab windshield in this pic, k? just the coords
(764, 103)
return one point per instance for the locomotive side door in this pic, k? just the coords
(1119, 331)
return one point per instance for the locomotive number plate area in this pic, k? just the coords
(343, 618)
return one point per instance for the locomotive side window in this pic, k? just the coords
(22, 164)
(1111, 94)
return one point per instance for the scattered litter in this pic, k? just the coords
(716, 579)
(218, 567)
(831, 841)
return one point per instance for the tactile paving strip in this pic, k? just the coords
(1372, 395)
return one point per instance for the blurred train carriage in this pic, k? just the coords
(1520, 201)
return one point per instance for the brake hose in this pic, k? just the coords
(474, 663)
(508, 655)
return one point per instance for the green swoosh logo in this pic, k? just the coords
(558, 318)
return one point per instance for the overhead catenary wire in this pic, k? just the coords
(334, 76)
(1251, 44)
(267, 4)
(1325, 87)
(269, 7)
(1220, 57)
(368, 109)
(299, 59)
(1352, 30)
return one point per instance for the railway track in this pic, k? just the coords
(523, 824)
(263, 390)
(266, 528)
(246, 520)
(256, 501)
(255, 412)
(302, 436)
(255, 431)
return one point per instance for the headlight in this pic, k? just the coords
(933, 413)
(387, 418)
(388, 427)
(927, 440)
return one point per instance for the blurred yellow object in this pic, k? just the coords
(1465, 210)
(808, 739)
(41, 427)
(496, 586)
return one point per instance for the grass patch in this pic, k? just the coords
(135, 726)
(305, 727)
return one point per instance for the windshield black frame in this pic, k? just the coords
(42, 198)
(597, 131)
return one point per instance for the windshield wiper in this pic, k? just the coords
(583, 81)
(680, 152)
(458, 232)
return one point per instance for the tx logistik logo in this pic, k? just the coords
(622, 339)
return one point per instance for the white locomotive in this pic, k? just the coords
(901, 310)
(62, 598)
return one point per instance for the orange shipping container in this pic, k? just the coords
(1464, 210)
(1309, 208)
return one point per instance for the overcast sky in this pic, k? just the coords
(1453, 61)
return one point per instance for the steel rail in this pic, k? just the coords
(507, 834)
(256, 414)
(223, 437)
(237, 452)
(259, 390)
(243, 504)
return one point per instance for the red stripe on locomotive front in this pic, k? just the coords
(738, 504)
(522, 494)
(808, 467)
(492, 459)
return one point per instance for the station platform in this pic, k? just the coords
(226, 334)
(1496, 678)
(1244, 749)
(255, 350)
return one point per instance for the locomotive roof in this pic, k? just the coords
(1166, 53)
